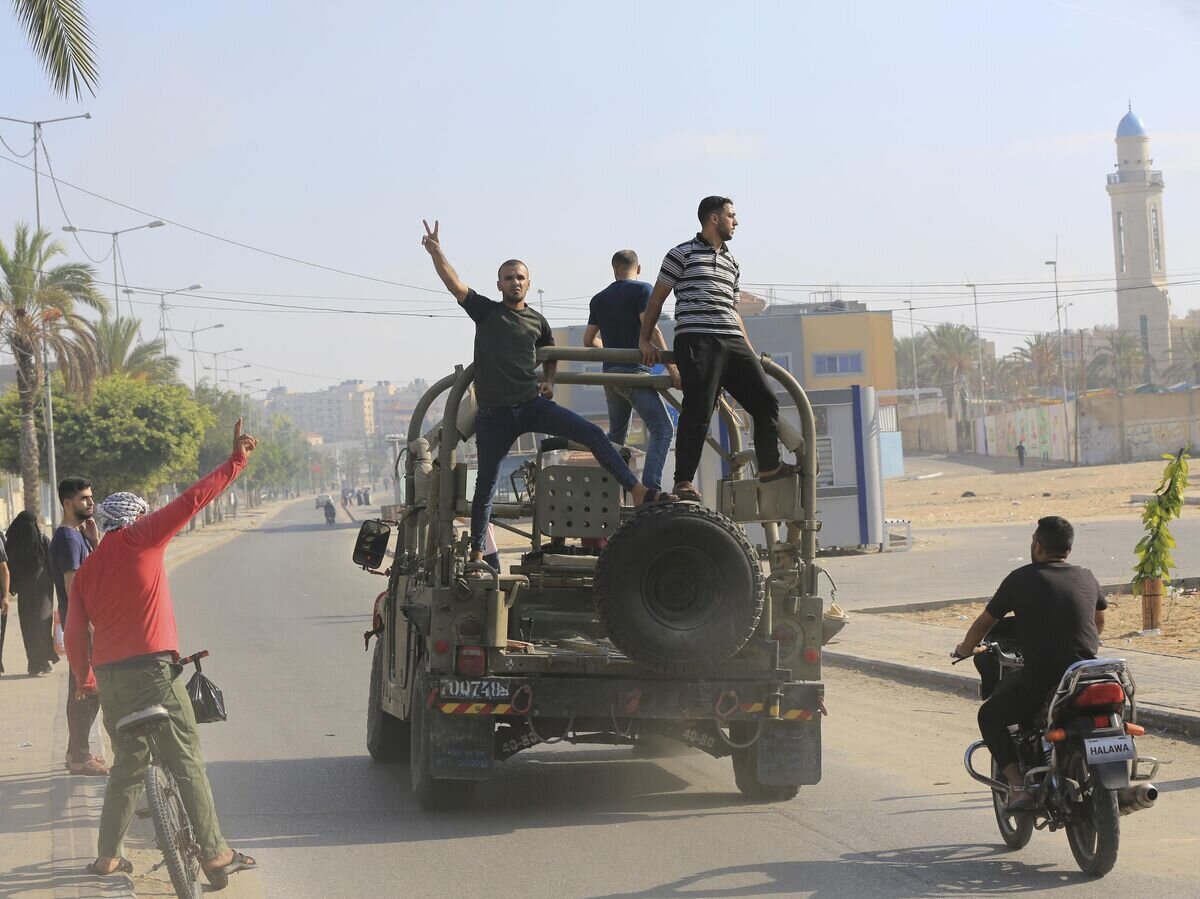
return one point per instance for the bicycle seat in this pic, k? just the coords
(142, 721)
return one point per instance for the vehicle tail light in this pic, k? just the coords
(1100, 694)
(812, 655)
(469, 629)
(1135, 730)
(471, 661)
(1102, 721)
(1056, 736)
(441, 646)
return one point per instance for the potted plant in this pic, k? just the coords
(1154, 549)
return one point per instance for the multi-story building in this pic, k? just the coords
(341, 413)
(825, 346)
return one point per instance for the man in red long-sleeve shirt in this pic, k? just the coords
(121, 591)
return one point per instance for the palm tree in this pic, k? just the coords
(37, 315)
(1013, 376)
(1185, 352)
(1040, 355)
(1119, 362)
(952, 357)
(123, 352)
(61, 38)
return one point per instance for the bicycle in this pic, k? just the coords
(172, 826)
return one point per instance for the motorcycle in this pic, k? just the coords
(1079, 760)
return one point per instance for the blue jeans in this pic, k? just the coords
(497, 429)
(652, 410)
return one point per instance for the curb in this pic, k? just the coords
(1182, 723)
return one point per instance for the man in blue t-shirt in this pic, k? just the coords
(73, 542)
(615, 321)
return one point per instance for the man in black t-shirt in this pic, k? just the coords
(1059, 613)
(509, 397)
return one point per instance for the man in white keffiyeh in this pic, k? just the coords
(120, 510)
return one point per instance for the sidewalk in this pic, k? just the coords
(49, 819)
(1168, 687)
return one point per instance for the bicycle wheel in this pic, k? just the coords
(173, 829)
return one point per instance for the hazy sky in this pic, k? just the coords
(867, 145)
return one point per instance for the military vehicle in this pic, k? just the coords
(677, 628)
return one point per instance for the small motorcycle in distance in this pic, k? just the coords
(1079, 759)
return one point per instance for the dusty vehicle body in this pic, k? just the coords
(675, 629)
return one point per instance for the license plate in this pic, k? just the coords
(1108, 749)
(474, 689)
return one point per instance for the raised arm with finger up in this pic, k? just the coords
(433, 245)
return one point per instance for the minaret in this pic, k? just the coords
(1139, 243)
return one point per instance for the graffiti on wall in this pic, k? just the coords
(1043, 429)
(1149, 440)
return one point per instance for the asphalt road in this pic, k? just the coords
(283, 610)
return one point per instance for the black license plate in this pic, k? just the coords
(484, 690)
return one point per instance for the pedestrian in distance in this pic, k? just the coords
(712, 350)
(1021, 453)
(511, 400)
(615, 321)
(122, 594)
(72, 543)
(29, 569)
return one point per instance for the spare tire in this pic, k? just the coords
(679, 588)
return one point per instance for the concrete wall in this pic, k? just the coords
(1137, 427)
(931, 433)
(1048, 433)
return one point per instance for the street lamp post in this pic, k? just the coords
(217, 364)
(193, 332)
(1062, 358)
(912, 338)
(51, 464)
(157, 223)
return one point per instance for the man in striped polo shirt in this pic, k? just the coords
(712, 350)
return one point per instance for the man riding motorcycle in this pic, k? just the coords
(330, 511)
(1059, 613)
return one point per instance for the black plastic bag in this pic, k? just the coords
(208, 703)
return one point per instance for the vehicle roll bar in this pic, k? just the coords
(460, 381)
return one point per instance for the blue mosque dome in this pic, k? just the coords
(1131, 126)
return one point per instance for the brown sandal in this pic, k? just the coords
(687, 493)
(786, 470)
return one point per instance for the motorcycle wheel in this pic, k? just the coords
(1015, 830)
(1094, 832)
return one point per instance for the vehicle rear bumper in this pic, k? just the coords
(590, 697)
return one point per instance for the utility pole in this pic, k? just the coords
(1062, 357)
(912, 338)
(979, 350)
(541, 304)
(51, 463)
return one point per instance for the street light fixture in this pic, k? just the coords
(71, 229)
(51, 464)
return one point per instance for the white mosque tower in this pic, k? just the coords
(1139, 242)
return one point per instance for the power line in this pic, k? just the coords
(228, 240)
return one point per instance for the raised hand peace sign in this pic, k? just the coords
(430, 241)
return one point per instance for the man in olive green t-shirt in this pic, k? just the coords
(511, 399)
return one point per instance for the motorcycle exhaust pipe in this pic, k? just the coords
(1135, 798)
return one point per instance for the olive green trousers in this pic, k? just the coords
(128, 689)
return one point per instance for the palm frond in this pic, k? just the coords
(61, 38)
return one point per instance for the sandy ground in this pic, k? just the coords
(1101, 491)
(1122, 622)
